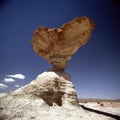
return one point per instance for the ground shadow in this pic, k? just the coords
(101, 112)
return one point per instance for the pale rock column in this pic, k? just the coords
(53, 87)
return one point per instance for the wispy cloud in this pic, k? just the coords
(19, 76)
(8, 80)
(3, 86)
(17, 86)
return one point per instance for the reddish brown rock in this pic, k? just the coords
(57, 45)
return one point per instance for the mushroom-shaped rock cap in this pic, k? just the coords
(57, 45)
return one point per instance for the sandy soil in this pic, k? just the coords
(108, 107)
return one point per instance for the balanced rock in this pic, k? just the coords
(51, 95)
(57, 45)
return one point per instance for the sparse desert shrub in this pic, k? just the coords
(101, 104)
(98, 102)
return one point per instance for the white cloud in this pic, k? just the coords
(2, 86)
(9, 80)
(17, 86)
(19, 76)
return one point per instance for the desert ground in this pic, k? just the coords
(27, 108)
(102, 106)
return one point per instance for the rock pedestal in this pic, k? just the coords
(53, 87)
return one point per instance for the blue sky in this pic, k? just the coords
(95, 68)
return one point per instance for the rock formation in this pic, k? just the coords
(57, 45)
(53, 87)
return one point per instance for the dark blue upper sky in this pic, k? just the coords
(95, 68)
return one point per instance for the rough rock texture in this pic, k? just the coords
(57, 45)
(53, 87)
(31, 107)
(51, 96)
